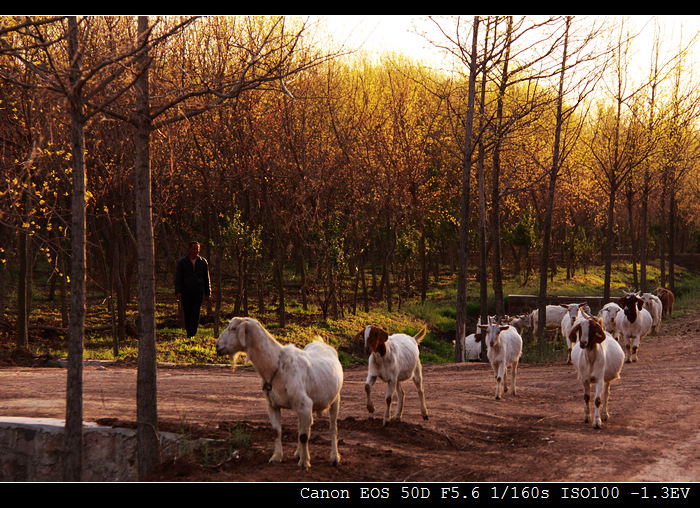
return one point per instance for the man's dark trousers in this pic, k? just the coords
(191, 305)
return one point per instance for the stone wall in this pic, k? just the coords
(31, 449)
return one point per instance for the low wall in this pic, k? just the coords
(31, 449)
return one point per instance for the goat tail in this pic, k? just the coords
(419, 336)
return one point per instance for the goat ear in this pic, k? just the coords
(483, 327)
(477, 337)
(360, 337)
(640, 304)
(573, 334)
(595, 329)
(241, 333)
(504, 328)
(383, 336)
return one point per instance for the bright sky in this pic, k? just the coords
(381, 33)
(398, 33)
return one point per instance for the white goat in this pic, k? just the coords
(572, 310)
(394, 359)
(632, 324)
(504, 348)
(554, 314)
(521, 322)
(608, 314)
(653, 304)
(472, 346)
(302, 380)
(598, 358)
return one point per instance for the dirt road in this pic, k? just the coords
(539, 435)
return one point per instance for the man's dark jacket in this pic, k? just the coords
(192, 279)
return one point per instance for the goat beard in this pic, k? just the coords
(234, 359)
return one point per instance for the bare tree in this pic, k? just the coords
(617, 146)
(565, 134)
(681, 154)
(554, 172)
(464, 49)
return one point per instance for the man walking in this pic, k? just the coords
(191, 285)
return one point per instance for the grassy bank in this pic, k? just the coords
(438, 312)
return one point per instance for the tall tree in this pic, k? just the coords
(461, 325)
(616, 146)
(146, 388)
(566, 133)
(554, 173)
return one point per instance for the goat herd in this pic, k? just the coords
(310, 380)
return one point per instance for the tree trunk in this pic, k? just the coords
(146, 401)
(463, 256)
(73, 441)
(22, 339)
(547, 234)
(481, 192)
(643, 234)
(608, 245)
(672, 236)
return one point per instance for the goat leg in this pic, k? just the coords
(418, 381)
(389, 394)
(402, 398)
(305, 420)
(587, 401)
(276, 421)
(368, 390)
(333, 412)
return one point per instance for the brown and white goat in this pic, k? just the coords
(633, 323)
(598, 359)
(472, 347)
(393, 359)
